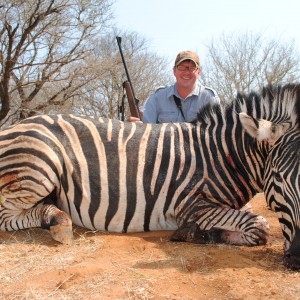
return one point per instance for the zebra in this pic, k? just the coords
(191, 178)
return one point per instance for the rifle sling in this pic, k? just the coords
(178, 104)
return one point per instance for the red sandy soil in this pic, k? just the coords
(143, 266)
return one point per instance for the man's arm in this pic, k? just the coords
(150, 110)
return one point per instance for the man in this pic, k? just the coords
(179, 102)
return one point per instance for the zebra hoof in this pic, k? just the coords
(62, 233)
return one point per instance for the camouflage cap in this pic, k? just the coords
(187, 55)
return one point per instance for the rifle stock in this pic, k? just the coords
(133, 101)
(132, 105)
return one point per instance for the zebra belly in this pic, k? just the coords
(158, 222)
(122, 220)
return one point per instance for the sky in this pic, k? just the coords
(171, 26)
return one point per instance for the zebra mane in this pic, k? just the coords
(274, 103)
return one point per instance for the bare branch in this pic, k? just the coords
(41, 42)
(247, 62)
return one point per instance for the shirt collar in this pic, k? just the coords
(173, 91)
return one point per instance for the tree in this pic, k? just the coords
(248, 62)
(103, 95)
(43, 44)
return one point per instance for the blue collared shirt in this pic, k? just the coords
(160, 107)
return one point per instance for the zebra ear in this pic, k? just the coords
(263, 130)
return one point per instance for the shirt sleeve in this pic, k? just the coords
(216, 99)
(214, 96)
(150, 110)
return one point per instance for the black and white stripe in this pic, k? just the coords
(128, 177)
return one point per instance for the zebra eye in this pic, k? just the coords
(278, 177)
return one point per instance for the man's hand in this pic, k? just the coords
(134, 119)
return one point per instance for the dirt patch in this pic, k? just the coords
(143, 266)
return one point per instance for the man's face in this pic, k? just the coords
(186, 74)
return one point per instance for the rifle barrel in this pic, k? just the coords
(119, 39)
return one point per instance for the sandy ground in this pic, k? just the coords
(143, 266)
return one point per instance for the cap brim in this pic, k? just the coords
(183, 59)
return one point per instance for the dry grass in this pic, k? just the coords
(141, 266)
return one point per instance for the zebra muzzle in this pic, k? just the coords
(292, 256)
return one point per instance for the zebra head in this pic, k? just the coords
(279, 131)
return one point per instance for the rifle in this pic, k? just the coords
(127, 85)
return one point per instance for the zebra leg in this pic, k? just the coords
(215, 224)
(247, 207)
(16, 216)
